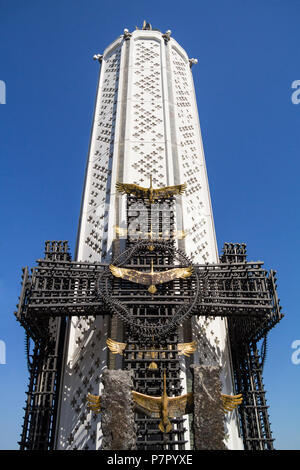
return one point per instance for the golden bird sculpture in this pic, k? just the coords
(163, 407)
(150, 193)
(151, 278)
(183, 349)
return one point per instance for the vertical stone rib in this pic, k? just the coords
(118, 425)
(208, 423)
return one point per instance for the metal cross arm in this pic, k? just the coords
(58, 287)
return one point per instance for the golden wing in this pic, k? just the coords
(94, 403)
(168, 191)
(179, 406)
(133, 189)
(124, 232)
(132, 275)
(151, 406)
(179, 234)
(230, 402)
(176, 273)
(186, 348)
(121, 231)
(115, 347)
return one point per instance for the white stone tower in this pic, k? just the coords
(145, 124)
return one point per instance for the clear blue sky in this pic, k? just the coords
(248, 54)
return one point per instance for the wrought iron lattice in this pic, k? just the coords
(253, 413)
(58, 288)
(141, 358)
(42, 395)
(247, 364)
(145, 355)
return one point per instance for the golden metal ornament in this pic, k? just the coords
(186, 349)
(150, 193)
(140, 235)
(94, 403)
(230, 402)
(151, 278)
(115, 347)
(153, 366)
(163, 407)
(121, 231)
(118, 348)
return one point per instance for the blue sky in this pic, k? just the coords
(248, 55)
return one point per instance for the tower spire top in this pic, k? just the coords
(147, 26)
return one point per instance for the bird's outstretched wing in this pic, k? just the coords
(122, 232)
(186, 349)
(230, 402)
(170, 274)
(134, 189)
(169, 191)
(179, 234)
(115, 347)
(151, 406)
(179, 406)
(152, 278)
(94, 403)
(132, 275)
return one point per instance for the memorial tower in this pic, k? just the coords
(169, 300)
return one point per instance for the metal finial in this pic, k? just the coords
(98, 57)
(167, 35)
(147, 26)
(126, 34)
(193, 61)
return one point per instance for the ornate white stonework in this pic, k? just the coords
(145, 123)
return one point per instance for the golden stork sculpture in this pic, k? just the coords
(165, 407)
(150, 193)
(151, 278)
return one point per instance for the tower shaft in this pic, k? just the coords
(145, 126)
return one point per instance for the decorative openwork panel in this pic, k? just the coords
(95, 216)
(146, 127)
(197, 212)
